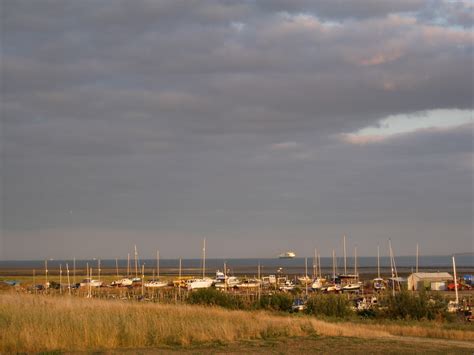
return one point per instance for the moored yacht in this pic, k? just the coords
(156, 284)
(123, 282)
(199, 283)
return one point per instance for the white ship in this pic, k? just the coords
(287, 255)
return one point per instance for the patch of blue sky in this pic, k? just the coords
(404, 123)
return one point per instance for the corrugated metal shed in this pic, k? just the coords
(422, 280)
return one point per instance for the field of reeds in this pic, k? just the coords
(30, 323)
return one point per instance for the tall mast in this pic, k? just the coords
(416, 257)
(136, 262)
(128, 265)
(68, 279)
(60, 278)
(116, 266)
(46, 272)
(74, 270)
(355, 261)
(391, 266)
(225, 274)
(455, 282)
(378, 261)
(345, 264)
(157, 264)
(333, 265)
(98, 268)
(319, 266)
(204, 258)
(143, 278)
(315, 263)
(179, 273)
(306, 275)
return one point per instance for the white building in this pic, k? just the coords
(436, 281)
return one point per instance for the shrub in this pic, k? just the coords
(213, 297)
(329, 305)
(408, 305)
(276, 302)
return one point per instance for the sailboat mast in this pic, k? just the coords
(345, 263)
(315, 263)
(391, 266)
(306, 275)
(378, 261)
(416, 257)
(128, 265)
(68, 279)
(136, 262)
(455, 282)
(46, 272)
(158, 264)
(98, 268)
(204, 258)
(225, 274)
(355, 262)
(60, 278)
(116, 266)
(333, 265)
(319, 266)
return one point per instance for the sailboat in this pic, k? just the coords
(334, 287)
(205, 282)
(353, 286)
(157, 283)
(378, 282)
(319, 281)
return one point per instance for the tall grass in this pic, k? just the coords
(43, 323)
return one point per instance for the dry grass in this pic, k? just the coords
(41, 323)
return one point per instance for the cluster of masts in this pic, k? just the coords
(346, 281)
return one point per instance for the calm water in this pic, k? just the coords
(465, 263)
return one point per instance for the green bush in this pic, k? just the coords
(275, 302)
(213, 297)
(329, 305)
(408, 305)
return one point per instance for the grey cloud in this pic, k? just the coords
(161, 116)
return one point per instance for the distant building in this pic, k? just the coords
(435, 281)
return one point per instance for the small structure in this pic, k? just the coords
(435, 281)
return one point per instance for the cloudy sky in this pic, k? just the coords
(260, 125)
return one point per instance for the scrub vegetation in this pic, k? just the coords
(31, 323)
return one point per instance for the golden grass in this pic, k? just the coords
(43, 323)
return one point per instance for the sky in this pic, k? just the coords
(262, 126)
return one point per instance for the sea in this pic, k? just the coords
(250, 266)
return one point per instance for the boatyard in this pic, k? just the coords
(175, 285)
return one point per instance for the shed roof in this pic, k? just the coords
(432, 275)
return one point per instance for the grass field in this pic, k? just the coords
(31, 323)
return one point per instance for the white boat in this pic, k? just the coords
(269, 280)
(287, 286)
(287, 255)
(379, 284)
(220, 276)
(91, 283)
(199, 283)
(123, 282)
(304, 280)
(231, 281)
(351, 287)
(251, 283)
(333, 288)
(156, 284)
(318, 284)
